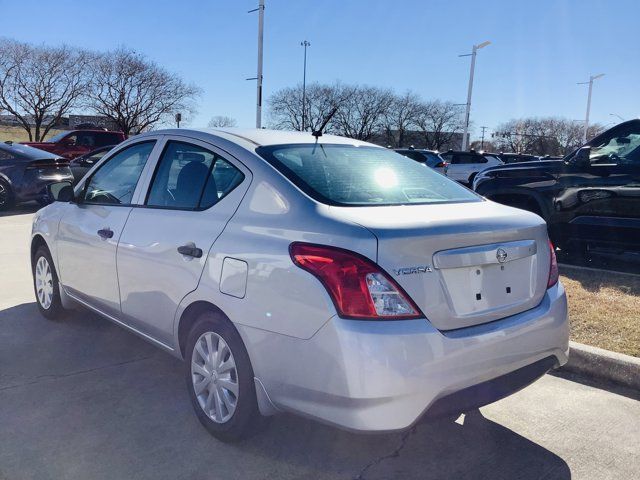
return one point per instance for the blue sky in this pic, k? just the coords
(539, 50)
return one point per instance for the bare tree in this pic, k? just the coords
(362, 111)
(401, 117)
(136, 93)
(542, 136)
(222, 121)
(285, 106)
(438, 122)
(38, 85)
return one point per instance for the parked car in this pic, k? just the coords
(25, 173)
(516, 157)
(590, 199)
(323, 276)
(74, 143)
(464, 166)
(82, 164)
(430, 158)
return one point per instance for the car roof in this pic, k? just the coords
(251, 138)
(26, 152)
(426, 150)
(94, 130)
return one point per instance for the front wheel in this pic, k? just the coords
(46, 286)
(220, 379)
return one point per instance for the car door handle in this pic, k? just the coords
(105, 233)
(190, 250)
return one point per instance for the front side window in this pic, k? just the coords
(622, 147)
(361, 176)
(189, 177)
(115, 181)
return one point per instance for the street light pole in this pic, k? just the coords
(258, 77)
(586, 120)
(473, 54)
(305, 44)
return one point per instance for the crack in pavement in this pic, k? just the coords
(395, 453)
(54, 376)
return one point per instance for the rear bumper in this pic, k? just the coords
(384, 376)
(35, 187)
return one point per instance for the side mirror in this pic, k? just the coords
(60, 191)
(583, 157)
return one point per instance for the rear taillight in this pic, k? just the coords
(553, 267)
(441, 164)
(357, 286)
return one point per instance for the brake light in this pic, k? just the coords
(358, 287)
(441, 164)
(553, 267)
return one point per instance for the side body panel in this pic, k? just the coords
(153, 276)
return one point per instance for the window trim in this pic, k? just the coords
(103, 161)
(192, 142)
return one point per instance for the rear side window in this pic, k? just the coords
(361, 176)
(189, 177)
(107, 138)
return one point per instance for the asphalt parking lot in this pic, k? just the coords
(83, 399)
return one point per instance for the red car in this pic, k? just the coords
(74, 143)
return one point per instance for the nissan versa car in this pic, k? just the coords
(318, 275)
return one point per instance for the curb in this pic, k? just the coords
(603, 364)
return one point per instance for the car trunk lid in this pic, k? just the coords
(463, 264)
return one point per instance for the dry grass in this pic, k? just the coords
(17, 134)
(604, 308)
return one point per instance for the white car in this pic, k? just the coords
(464, 166)
(322, 276)
(429, 158)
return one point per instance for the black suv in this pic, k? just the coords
(590, 199)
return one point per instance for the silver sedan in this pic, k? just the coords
(322, 276)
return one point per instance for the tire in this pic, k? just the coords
(46, 286)
(471, 178)
(227, 415)
(7, 199)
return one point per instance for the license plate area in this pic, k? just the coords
(477, 289)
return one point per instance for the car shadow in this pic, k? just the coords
(21, 209)
(121, 406)
(593, 281)
(477, 449)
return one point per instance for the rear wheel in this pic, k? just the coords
(46, 286)
(220, 379)
(6, 196)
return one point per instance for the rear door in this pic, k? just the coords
(90, 228)
(462, 165)
(195, 190)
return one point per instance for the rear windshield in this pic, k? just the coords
(358, 176)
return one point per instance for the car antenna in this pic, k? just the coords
(318, 133)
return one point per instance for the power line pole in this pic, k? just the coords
(482, 140)
(473, 54)
(305, 44)
(586, 120)
(258, 77)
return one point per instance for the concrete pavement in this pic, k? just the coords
(84, 399)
